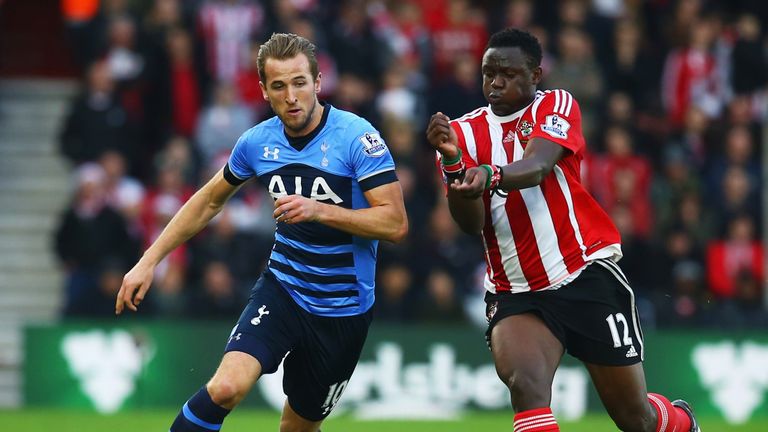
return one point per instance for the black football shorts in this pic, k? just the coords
(594, 316)
(320, 352)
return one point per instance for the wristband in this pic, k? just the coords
(495, 176)
(453, 168)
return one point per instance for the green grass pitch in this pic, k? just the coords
(40, 420)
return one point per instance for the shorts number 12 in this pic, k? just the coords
(612, 320)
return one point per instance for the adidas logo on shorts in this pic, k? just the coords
(632, 352)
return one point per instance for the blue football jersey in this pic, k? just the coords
(327, 271)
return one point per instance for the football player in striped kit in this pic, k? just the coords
(336, 195)
(553, 286)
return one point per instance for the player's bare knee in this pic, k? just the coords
(527, 392)
(225, 392)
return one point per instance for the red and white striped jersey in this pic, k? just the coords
(540, 237)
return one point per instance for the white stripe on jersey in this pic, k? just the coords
(539, 97)
(616, 271)
(472, 114)
(469, 139)
(504, 237)
(557, 101)
(543, 228)
(560, 176)
(570, 103)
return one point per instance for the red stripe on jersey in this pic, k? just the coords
(566, 235)
(496, 271)
(525, 239)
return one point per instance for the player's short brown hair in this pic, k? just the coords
(283, 46)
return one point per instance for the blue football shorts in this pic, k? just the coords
(320, 352)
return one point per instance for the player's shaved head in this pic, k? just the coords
(283, 46)
(511, 37)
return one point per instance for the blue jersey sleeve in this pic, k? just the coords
(238, 164)
(370, 158)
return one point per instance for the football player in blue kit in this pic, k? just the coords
(336, 194)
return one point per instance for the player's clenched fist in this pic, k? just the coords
(441, 136)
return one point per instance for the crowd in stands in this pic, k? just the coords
(672, 93)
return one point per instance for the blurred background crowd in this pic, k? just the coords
(673, 97)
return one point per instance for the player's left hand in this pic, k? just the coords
(473, 184)
(292, 209)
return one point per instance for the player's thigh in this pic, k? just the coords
(317, 371)
(291, 421)
(526, 354)
(523, 342)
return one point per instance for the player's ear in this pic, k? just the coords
(263, 91)
(317, 82)
(536, 75)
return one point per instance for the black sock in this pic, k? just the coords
(199, 414)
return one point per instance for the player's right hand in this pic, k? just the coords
(135, 285)
(473, 184)
(441, 136)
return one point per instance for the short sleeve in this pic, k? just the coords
(558, 118)
(238, 169)
(370, 158)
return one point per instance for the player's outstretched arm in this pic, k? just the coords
(193, 216)
(385, 219)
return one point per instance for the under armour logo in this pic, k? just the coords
(273, 153)
(262, 311)
(235, 337)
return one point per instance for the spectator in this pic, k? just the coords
(221, 124)
(750, 67)
(735, 260)
(216, 297)
(350, 39)
(624, 178)
(175, 95)
(395, 100)
(226, 27)
(91, 239)
(576, 70)
(690, 76)
(460, 92)
(123, 192)
(462, 32)
(442, 301)
(97, 121)
(394, 294)
(631, 67)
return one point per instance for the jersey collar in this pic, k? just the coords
(507, 118)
